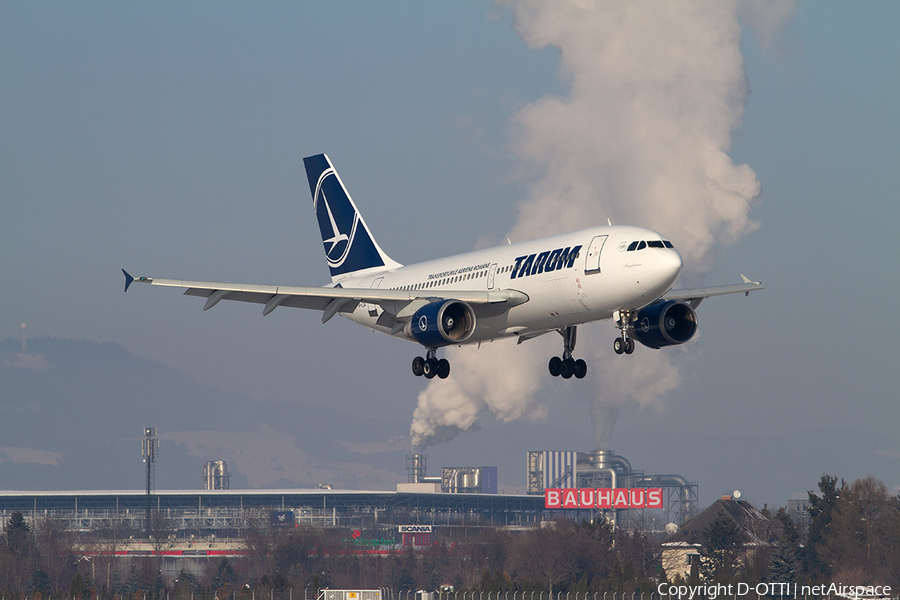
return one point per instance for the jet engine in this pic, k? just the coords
(665, 323)
(442, 323)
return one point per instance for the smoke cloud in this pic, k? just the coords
(656, 92)
(487, 378)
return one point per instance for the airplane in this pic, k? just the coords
(520, 290)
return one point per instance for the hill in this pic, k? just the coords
(72, 414)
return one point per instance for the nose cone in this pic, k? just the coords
(663, 270)
(672, 265)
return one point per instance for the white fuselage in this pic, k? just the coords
(602, 277)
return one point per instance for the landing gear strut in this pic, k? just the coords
(566, 366)
(624, 343)
(431, 365)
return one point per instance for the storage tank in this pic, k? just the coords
(216, 476)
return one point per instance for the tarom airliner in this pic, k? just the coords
(519, 290)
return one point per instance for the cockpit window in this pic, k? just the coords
(651, 244)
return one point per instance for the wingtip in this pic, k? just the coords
(128, 279)
(746, 280)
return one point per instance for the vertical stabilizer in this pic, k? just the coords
(349, 245)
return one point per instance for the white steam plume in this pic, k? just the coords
(487, 378)
(657, 90)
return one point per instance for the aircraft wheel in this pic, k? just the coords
(443, 368)
(555, 366)
(431, 368)
(580, 369)
(568, 368)
(418, 366)
(619, 345)
(629, 346)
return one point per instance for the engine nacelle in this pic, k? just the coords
(442, 323)
(665, 324)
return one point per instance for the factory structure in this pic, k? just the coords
(602, 469)
(453, 480)
(215, 475)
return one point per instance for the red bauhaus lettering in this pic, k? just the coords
(604, 498)
(552, 498)
(636, 497)
(586, 498)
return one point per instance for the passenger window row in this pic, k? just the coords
(450, 280)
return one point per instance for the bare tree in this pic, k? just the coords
(56, 547)
(100, 549)
(546, 555)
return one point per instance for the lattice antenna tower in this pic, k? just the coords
(149, 450)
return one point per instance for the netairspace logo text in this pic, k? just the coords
(784, 590)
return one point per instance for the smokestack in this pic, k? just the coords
(415, 468)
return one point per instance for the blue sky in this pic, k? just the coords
(167, 138)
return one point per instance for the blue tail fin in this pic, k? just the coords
(349, 245)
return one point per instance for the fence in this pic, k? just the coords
(389, 594)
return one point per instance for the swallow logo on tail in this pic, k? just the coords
(349, 246)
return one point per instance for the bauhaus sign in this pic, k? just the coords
(603, 498)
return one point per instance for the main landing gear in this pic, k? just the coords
(624, 343)
(566, 366)
(431, 365)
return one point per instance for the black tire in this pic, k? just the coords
(555, 363)
(443, 368)
(431, 368)
(418, 366)
(629, 346)
(619, 345)
(568, 368)
(580, 369)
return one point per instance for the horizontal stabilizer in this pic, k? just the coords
(128, 279)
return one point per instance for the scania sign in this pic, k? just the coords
(603, 498)
(415, 529)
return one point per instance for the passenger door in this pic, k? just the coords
(491, 273)
(592, 264)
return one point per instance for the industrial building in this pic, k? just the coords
(604, 469)
(462, 497)
(228, 513)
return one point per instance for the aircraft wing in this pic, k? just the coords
(695, 296)
(400, 304)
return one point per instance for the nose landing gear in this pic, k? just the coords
(624, 343)
(566, 366)
(431, 366)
